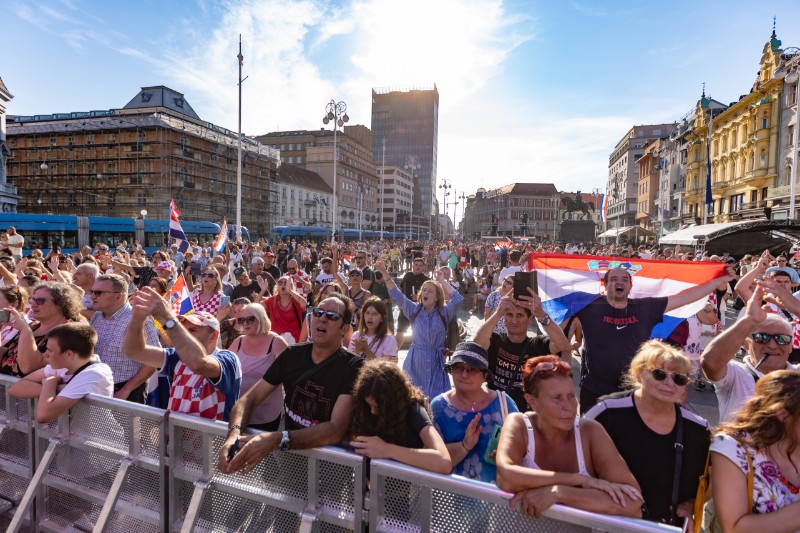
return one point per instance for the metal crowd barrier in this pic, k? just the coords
(106, 466)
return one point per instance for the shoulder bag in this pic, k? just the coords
(705, 514)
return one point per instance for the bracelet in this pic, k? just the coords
(234, 426)
(465, 446)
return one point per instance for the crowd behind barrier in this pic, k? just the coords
(111, 465)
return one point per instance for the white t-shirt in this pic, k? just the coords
(737, 387)
(508, 271)
(16, 243)
(388, 346)
(94, 379)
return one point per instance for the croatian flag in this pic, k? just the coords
(179, 298)
(222, 238)
(603, 207)
(568, 283)
(175, 229)
(346, 260)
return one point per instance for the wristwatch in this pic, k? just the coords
(169, 324)
(545, 320)
(286, 442)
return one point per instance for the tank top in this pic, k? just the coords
(528, 460)
(253, 369)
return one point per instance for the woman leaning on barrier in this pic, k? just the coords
(17, 298)
(760, 448)
(391, 420)
(663, 444)
(549, 456)
(469, 416)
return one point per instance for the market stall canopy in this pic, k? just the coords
(626, 230)
(739, 238)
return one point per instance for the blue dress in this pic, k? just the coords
(424, 364)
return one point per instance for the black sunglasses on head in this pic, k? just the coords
(330, 315)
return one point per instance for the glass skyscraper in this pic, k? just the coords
(407, 120)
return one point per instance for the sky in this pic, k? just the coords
(530, 91)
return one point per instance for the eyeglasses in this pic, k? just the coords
(551, 367)
(361, 257)
(30, 273)
(208, 275)
(461, 369)
(781, 260)
(38, 301)
(100, 293)
(330, 315)
(681, 380)
(292, 270)
(245, 320)
(781, 339)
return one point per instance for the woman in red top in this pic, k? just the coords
(285, 309)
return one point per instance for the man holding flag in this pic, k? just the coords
(615, 325)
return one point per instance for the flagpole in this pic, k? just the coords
(240, 57)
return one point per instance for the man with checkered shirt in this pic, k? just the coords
(205, 381)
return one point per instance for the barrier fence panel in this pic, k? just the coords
(16, 451)
(405, 499)
(101, 467)
(317, 490)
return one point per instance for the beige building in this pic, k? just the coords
(743, 151)
(507, 203)
(398, 197)
(119, 162)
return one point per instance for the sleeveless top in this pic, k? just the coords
(528, 460)
(253, 369)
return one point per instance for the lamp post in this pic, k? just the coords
(445, 186)
(463, 199)
(337, 112)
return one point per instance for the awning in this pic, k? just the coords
(626, 230)
(739, 238)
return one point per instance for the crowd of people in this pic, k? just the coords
(298, 341)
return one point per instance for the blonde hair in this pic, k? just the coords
(260, 314)
(655, 354)
(439, 293)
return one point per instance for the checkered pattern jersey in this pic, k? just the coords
(110, 333)
(299, 287)
(211, 306)
(193, 394)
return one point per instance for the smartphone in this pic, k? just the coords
(494, 440)
(523, 280)
(233, 450)
(4, 316)
(224, 300)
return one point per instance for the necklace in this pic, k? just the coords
(473, 405)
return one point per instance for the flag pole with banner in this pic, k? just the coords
(175, 229)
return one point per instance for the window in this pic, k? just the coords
(733, 170)
(762, 161)
(764, 122)
(299, 159)
(735, 202)
(141, 199)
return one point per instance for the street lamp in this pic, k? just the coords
(463, 198)
(445, 186)
(143, 212)
(337, 112)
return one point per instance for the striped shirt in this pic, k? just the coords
(110, 333)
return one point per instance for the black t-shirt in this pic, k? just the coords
(412, 283)
(416, 419)
(611, 338)
(273, 270)
(311, 402)
(651, 456)
(506, 360)
(368, 274)
(240, 291)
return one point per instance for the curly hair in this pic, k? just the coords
(768, 417)
(66, 297)
(389, 387)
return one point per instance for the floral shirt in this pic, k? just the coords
(771, 490)
(493, 302)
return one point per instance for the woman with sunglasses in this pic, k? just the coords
(493, 302)
(372, 340)
(548, 456)
(467, 415)
(18, 299)
(759, 449)
(257, 349)
(285, 309)
(52, 304)
(208, 296)
(429, 317)
(647, 423)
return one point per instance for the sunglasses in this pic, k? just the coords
(38, 301)
(469, 370)
(361, 257)
(100, 293)
(355, 275)
(245, 320)
(208, 275)
(508, 282)
(330, 315)
(551, 367)
(781, 339)
(681, 380)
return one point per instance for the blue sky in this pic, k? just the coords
(535, 91)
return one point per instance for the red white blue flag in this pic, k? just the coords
(175, 229)
(179, 298)
(222, 238)
(568, 283)
(603, 207)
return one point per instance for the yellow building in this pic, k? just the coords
(744, 149)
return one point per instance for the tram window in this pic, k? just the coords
(47, 239)
(111, 238)
(154, 240)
